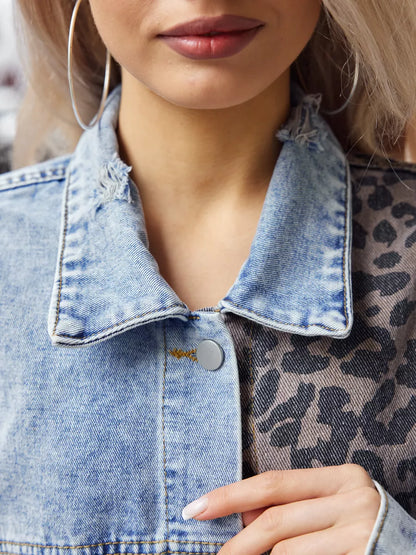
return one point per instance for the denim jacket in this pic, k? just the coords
(118, 404)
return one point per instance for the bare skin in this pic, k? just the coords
(200, 230)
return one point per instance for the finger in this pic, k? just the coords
(277, 524)
(333, 541)
(278, 487)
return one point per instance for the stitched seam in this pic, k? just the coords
(256, 457)
(13, 187)
(25, 544)
(163, 430)
(123, 322)
(380, 528)
(283, 323)
(344, 258)
(179, 353)
(194, 317)
(33, 179)
(62, 254)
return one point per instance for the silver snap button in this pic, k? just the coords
(210, 355)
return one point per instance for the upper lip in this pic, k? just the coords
(220, 24)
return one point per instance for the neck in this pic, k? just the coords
(199, 156)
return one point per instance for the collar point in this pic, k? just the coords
(71, 332)
(337, 326)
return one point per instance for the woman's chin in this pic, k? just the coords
(213, 90)
(215, 98)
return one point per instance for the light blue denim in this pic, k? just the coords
(108, 428)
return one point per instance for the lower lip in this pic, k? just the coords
(199, 47)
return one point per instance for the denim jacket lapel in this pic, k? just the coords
(106, 280)
(298, 275)
(296, 278)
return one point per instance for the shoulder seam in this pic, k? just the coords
(34, 177)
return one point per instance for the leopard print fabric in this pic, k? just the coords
(318, 401)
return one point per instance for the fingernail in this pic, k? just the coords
(195, 508)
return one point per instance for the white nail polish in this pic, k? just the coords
(195, 508)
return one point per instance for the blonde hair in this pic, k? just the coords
(379, 34)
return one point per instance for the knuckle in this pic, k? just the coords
(271, 519)
(356, 473)
(272, 480)
(370, 499)
(363, 501)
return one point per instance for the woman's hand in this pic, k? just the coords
(317, 511)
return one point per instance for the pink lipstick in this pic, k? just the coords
(213, 37)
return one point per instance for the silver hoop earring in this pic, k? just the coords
(106, 87)
(353, 90)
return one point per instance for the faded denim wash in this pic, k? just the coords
(107, 430)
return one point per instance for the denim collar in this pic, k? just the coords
(295, 279)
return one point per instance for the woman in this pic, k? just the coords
(197, 245)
